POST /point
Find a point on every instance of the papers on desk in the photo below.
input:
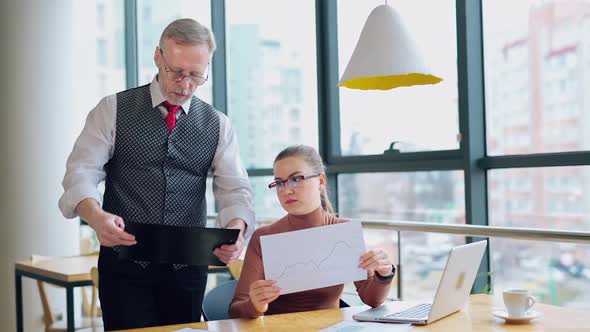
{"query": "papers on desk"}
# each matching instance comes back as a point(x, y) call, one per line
point(188, 329)
point(38, 258)
point(346, 326)
point(314, 257)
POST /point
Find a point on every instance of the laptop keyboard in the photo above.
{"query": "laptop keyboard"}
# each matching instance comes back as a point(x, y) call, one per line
point(417, 312)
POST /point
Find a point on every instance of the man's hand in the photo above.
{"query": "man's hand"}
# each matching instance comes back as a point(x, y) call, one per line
point(109, 228)
point(228, 253)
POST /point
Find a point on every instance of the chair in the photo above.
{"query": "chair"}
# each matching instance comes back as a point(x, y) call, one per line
point(216, 301)
point(235, 268)
point(93, 307)
point(90, 307)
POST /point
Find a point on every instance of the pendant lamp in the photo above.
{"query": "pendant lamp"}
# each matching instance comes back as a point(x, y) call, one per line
point(385, 56)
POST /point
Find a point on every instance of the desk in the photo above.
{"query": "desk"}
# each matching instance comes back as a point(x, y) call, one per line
point(67, 272)
point(476, 316)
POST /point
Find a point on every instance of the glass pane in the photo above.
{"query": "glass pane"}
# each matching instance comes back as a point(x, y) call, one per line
point(556, 273)
point(99, 51)
point(99, 62)
point(88, 241)
point(424, 256)
point(268, 63)
point(152, 18)
point(552, 197)
point(414, 196)
point(422, 118)
point(537, 59)
point(266, 204)
point(210, 198)
point(376, 239)
point(417, 196)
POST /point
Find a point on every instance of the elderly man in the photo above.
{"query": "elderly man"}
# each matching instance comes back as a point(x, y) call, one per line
point(154, 146)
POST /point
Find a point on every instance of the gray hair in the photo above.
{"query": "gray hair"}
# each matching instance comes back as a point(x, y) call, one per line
point(189, 31)
point(312, 158)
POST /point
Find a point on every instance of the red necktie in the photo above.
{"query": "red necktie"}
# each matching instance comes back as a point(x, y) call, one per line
point(171, 116)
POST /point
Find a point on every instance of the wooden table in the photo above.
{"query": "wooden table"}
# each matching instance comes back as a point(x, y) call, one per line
point(67, 272)
point(476, 316)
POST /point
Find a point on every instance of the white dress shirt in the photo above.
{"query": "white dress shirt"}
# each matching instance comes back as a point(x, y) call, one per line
point(96, 144)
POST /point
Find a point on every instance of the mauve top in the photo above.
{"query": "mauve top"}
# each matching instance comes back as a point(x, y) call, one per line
point(371, 291)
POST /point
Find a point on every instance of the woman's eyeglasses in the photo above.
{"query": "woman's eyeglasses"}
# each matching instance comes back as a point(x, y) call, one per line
point(292, 181)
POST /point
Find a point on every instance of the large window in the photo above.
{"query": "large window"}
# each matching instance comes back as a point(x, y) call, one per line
point(99, 62)
point(550, 198)
point(418, 196)
point(529, 97)
point(209, 197)
point(537, 65)
point(376, 239)
point(152, 18)
point(536, 68)
point(266, 204)
point(556, 273)
point(421, 118)
point(99, 52)
point(271, 77)
point(423, 259)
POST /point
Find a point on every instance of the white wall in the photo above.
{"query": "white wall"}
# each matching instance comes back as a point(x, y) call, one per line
point(38, 125)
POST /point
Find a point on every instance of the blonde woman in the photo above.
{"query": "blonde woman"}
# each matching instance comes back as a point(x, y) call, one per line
point(300, 183)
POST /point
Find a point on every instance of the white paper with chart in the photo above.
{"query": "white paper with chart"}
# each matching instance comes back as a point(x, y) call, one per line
point(314, 257)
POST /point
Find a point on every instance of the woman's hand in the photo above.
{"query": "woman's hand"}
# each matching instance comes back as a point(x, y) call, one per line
point(376, 260)
point(263, 292)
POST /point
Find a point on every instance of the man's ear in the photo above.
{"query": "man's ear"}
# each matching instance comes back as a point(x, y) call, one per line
point(157, 56)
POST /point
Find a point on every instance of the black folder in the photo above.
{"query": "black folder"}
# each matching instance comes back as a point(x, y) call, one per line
point(176, 245)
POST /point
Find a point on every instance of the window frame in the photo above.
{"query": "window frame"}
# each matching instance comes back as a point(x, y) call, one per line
point(471, 156)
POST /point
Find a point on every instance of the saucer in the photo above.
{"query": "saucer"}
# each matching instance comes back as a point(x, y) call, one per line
point(530, 315)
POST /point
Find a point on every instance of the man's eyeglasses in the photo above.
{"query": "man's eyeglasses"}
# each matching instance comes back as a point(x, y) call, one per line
point(292, 181)
point(178, 75)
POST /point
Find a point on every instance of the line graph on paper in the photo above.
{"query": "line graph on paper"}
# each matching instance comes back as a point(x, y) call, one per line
point(311, 262)
point(314, 258)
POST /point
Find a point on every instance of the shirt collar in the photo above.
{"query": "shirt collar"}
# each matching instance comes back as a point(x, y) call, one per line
point(158, 98)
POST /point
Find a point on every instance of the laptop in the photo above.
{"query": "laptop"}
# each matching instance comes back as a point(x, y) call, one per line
point(452, 293)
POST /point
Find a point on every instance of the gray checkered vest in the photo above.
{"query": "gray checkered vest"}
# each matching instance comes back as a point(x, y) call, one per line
point(156, 176)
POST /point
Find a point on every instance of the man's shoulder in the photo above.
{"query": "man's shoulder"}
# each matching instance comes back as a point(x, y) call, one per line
point(131, 94)
point(201, 105)
point(140, 88)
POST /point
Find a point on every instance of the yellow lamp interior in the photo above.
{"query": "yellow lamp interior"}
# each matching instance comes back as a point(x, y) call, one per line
point(390, 81)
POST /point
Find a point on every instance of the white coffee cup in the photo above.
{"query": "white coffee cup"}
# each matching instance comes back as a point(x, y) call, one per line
point(517, 302)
